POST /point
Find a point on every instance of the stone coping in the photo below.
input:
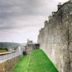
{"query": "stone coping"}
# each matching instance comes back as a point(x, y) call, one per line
point(4, 53)
point(9, 55)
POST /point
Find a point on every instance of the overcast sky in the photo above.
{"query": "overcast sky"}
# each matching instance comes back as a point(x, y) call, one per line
point(22, 19)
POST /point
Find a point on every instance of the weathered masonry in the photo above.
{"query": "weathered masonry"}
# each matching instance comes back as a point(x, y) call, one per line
point(9, 59)
point(56, 37)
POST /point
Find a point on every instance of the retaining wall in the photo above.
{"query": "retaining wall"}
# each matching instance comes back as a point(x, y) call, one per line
point(7, 65)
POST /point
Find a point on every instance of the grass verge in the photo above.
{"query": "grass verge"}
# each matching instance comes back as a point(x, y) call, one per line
point(37, 61)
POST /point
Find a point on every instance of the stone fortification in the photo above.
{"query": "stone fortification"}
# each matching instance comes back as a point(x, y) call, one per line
point(56, 37)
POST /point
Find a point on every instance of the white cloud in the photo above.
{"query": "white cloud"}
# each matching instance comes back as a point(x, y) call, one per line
point(22, 19)
point(61, 0)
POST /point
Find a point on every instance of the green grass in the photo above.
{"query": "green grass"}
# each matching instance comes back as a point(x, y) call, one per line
point(36, 62)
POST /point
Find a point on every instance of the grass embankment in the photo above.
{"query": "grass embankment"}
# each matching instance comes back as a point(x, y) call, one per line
point(36, 62)
point(3, 50)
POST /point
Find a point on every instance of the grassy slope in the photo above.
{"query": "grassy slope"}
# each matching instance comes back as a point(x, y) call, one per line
point(36, 62)
point(1, 51)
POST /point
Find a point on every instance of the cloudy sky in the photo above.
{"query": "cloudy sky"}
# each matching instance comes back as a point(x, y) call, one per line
point(22, 19)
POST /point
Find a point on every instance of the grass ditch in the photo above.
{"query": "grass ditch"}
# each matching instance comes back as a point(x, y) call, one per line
point(37, 61)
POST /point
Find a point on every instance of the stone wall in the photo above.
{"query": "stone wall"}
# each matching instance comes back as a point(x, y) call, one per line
point(7, 66)
point(56, 37)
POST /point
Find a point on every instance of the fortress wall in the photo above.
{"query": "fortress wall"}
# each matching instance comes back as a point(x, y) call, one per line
point(56, 38)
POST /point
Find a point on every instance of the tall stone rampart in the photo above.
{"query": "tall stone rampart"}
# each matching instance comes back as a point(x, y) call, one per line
point(56, 37)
